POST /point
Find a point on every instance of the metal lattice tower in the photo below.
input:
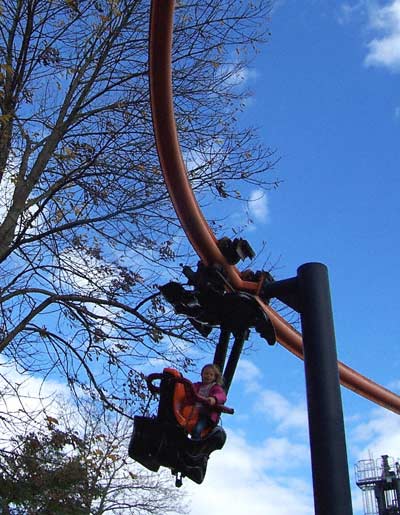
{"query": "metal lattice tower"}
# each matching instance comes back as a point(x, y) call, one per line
point(379, 481)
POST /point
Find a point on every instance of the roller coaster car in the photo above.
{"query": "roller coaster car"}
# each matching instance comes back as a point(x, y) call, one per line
point(164, 440)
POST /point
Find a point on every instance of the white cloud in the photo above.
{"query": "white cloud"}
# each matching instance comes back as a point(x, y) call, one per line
point(269, 477)
point(24, 397)
point(273, 476)
point(285, 414)
point(29, 386)
point(383, 25)
point(384, 50)
point(347, 11)
point(378, 434)
point(249, 374)
point(258, 206)
point(246, 479)
point(237, 74)
point(253, 476)
point(288, 415)
point(7, 187)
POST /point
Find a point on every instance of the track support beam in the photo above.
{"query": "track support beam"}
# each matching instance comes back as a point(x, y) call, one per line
point(310, 294)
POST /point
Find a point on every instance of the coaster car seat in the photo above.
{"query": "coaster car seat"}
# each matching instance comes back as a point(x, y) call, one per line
point(164, 440)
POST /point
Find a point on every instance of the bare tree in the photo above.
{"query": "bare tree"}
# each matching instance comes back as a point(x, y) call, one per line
point(69, 462)
point(86, 228)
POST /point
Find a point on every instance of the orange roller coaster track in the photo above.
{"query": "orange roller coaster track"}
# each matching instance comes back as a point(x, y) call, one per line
point(191, 218)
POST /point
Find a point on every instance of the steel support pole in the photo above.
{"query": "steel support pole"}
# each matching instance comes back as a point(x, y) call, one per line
point(222, 348)
point(233, 359)
point(325, 415)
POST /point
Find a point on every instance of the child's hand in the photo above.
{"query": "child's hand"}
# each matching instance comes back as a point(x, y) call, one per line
point(211, 401)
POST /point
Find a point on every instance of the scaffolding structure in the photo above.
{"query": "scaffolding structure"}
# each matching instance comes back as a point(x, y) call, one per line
point(379, 481)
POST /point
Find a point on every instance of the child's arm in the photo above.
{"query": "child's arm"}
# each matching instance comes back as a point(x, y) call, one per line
point(218, 394)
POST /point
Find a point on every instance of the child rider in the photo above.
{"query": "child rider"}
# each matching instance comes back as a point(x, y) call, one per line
point(211, 388)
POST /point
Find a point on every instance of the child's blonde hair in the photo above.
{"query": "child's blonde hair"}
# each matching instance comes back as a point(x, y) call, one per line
point(217, 372)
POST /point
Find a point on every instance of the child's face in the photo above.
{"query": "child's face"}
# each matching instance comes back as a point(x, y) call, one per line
point(208, 375)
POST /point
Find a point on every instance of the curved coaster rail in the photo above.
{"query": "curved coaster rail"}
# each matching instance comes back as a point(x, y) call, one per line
point(191, 218)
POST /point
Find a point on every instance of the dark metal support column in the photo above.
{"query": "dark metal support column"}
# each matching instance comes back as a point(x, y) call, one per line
point(234, 358)
point(221, 349)
point(327, 437)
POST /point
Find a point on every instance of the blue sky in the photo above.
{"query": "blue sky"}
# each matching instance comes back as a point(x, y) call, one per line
point(327, 97)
